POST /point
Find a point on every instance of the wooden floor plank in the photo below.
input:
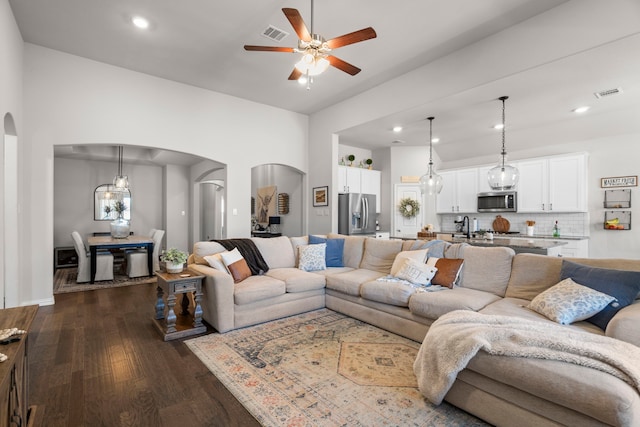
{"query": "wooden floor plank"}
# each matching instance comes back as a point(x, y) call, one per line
point(97, 360)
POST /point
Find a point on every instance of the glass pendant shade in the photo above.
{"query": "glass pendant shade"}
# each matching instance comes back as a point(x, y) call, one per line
point(503, 176)
point(120, 182)
point(431, 183)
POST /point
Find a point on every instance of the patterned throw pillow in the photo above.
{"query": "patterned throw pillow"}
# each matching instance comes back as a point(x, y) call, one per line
point(311, 257)
point(569, 302)
point(419, 256)
point(448, 270)
point(236, 265)
point(416, 272)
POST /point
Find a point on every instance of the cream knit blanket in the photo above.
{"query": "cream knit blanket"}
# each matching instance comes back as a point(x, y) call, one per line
point(455, 338)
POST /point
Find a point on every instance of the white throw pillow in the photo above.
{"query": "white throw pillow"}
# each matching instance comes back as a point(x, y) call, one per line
point(569, 302)
point(419, 256)
point(312, 257)
point(215, 261)
point(416, 272)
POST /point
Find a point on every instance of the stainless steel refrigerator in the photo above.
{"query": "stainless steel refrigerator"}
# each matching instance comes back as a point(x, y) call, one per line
point(356, 213)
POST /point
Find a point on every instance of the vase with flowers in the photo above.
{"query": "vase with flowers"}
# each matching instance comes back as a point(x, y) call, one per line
point(120, 226)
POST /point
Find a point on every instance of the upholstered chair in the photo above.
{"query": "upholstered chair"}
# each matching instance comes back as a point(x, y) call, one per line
point(137, 260)
point(104, 262)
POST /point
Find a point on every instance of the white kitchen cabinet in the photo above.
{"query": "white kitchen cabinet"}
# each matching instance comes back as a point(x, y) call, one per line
point(554, 184)
point(575, 248)
point(483, 179)
point(459, 191)
point(383, 235)
point(359, 180)
point(349, 180)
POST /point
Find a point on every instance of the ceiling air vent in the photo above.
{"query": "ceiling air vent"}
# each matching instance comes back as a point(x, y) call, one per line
point(274, 33)
point(608, 92)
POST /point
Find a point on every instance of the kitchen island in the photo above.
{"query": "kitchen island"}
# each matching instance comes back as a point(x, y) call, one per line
point(520, 245)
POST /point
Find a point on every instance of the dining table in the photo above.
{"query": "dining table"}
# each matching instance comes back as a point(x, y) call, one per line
point(109, 242)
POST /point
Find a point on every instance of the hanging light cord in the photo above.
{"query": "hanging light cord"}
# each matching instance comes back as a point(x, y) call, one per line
point(504, 150)
point(430, 146)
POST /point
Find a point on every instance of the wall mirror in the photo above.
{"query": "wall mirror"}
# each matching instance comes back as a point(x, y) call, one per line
point(108, 201)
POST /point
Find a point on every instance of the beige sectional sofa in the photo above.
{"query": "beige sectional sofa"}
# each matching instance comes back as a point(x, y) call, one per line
point(501, 390)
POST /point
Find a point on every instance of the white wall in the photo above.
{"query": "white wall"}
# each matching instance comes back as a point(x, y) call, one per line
point(74, 184)
point(176, 207)
point(71, 100)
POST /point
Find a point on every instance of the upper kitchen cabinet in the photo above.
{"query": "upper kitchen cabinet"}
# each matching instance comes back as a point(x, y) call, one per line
point(359, 180)
point(554, 184)
point(459, 191)
point(483, 179)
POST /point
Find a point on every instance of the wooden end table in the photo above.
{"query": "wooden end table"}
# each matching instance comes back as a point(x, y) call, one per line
point(178, 283)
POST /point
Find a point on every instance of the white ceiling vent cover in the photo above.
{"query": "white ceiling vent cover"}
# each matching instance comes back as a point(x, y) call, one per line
point(608, 92)
point(274, 33)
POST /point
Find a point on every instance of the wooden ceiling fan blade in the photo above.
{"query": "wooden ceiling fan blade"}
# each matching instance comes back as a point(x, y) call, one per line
point(296, 21)
point(351, 38)
point(295, 74)
point(342, 65)
point(268, 48)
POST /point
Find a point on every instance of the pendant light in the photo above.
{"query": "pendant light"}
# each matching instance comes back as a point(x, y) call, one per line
point(121, 182)
point(503, 176)
point(431, 182)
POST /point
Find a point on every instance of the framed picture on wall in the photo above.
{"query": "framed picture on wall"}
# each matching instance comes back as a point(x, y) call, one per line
point(321, 196)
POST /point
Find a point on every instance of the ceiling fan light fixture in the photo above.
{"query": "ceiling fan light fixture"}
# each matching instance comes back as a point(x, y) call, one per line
point(312, 65)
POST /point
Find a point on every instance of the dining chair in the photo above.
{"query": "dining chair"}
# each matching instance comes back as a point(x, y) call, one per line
point(137, 260)
point(104, 262)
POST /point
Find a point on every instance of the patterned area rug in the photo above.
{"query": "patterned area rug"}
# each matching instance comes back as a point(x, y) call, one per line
point(323, 369)
point(65, 281)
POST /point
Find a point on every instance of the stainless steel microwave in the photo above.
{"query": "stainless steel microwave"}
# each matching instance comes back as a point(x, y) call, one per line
point(499, 201)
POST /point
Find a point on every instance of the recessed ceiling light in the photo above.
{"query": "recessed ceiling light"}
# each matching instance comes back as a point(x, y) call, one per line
point(498, 126)
point(397, 129)
point(582, 109)
point(140, 22)
point(435, 140)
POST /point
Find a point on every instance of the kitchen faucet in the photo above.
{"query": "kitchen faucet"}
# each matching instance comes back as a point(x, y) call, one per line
point(466, 220)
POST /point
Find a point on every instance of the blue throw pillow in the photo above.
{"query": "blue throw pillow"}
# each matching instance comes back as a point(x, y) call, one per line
point(621, 284)
point(436, 247)
point(335, 250)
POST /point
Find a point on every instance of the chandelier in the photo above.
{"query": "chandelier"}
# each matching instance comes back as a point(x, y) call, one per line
point(431, 182)
point(503, 176)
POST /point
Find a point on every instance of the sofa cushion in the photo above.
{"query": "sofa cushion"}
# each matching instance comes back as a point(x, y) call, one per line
point(622, 285)
point(295, 243)
point(487, 269)
point(257, 288)
point(380, 254)
point(201, 249)
point(434, 304)
point(276, 251)
point(448, 271)
point(532, 274)
point(311, 257)
point(353, 249)
point(419, 256)
point(350, 282)
point(334, 270)
point(335, 250)
point(569, 302)
point(297, 280)
point(215, 261)
point(396, 293)
point(624, 325)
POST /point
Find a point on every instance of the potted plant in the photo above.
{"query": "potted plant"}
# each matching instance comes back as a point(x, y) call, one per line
point(174, 260)
point(369, 162)
point(351, 158)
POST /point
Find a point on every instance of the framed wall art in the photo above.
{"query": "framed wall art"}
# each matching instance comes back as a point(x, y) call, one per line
point(321, 196)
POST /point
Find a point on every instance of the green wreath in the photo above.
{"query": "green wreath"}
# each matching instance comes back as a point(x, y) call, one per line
point(408, 207)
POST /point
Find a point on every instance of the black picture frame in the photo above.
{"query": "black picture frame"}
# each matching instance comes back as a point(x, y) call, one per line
point(321, 196)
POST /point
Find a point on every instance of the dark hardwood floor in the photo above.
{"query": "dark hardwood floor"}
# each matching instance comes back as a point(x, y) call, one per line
point(96, 359)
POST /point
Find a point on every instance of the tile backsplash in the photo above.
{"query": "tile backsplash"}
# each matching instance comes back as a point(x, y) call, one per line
point(570, 224)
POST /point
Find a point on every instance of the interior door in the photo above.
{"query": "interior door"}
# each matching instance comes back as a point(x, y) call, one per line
point(403, 226)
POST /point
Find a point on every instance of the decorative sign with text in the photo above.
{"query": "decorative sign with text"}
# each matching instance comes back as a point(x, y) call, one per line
point(619, 181)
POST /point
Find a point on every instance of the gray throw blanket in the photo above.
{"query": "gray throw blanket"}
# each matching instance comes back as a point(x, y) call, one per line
point(455, 338)
point(249, 252)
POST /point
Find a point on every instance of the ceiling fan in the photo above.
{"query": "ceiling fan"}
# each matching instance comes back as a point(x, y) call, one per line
point(315, 50)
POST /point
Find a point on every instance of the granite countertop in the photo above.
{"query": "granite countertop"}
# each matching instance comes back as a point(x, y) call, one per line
point(531, 243)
